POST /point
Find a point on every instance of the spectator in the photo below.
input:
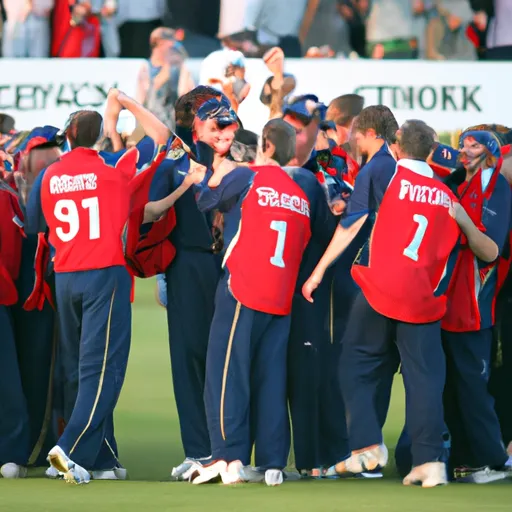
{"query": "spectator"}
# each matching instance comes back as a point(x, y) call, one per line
point(390, 30)
point(136, 20)
point(495, 17)
point(355, 13)
point(322, 25)
point(27, 29)
point(277, 23)
point(164, 78)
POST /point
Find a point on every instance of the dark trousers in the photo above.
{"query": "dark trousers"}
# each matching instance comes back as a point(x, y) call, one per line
point(245, 392)
point(367, 355)
point(14, 422)
point(94, 313)
point(500, 382)
point(35, 333)
point(191, 285)
point(499, 53)
point(469, 407)
point(134, 36)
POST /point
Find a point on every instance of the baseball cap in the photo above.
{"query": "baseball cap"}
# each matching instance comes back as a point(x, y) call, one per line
point(218, 109)
point(305, 108)
point(487, 139)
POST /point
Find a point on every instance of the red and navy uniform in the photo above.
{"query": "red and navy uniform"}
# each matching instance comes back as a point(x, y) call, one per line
point(191, 279)
point(245, 393)
point(415, 231)
point(467, 326)
point(14, 426)
point(86, 204)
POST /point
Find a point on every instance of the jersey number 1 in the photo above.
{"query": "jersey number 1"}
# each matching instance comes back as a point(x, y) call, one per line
point(66, 211)
point(279, 226)
point(412, 250)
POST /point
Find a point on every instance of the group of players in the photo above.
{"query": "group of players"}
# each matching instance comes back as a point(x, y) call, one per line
point(299, 273)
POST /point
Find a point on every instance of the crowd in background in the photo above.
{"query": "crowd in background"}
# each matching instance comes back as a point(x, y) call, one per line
point(432, 29)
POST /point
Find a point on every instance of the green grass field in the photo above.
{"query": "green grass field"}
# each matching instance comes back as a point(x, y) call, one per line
point(149, 442)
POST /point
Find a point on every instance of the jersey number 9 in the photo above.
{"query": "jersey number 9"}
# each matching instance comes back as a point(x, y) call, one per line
point(66, 211)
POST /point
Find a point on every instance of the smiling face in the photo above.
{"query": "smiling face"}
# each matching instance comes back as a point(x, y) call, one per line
point(220, 138)
point(472, 154)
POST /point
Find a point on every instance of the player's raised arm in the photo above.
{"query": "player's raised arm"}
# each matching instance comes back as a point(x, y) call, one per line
point(151, 125)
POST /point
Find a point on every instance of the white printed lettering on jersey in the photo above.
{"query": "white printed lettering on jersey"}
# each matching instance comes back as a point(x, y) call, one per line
point(65, 183)
point(267, 196)
point(424, 194)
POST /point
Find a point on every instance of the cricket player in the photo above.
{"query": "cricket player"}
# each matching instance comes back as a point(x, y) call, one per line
point(247, 352)
point(467, 327)
point(415, 254)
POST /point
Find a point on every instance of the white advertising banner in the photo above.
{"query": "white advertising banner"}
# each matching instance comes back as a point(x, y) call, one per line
point(447, 95)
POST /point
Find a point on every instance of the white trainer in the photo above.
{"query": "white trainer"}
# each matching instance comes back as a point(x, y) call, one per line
point(110, 474)
point(12, 470)
point(232, 474)
point(73, 473)
point(273, 477)
point(365, 460)
point(428, 475)
point(252, 475)
point(183, 471)
point(484, 475)
point(210, 473)
point(52, 473)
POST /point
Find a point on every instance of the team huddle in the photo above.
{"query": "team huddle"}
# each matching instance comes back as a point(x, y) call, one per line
point(300, 271)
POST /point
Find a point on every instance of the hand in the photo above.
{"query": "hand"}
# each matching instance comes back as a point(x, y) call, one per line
point(460, 215)
point(107, 11)
point(274, 60)
point(112, 111)
point(418, 7)
point(480, 20)
point(338, 206)
point(195, 174)
point(311, 285)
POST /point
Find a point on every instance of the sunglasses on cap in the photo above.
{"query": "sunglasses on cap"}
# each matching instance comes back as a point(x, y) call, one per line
point(219, 110)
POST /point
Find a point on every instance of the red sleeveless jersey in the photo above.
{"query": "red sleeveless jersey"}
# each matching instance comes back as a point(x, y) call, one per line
point(87, 203)
point(265, 255)
point(409, 250)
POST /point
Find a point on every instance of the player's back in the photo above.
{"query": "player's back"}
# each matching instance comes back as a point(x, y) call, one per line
point(265, 255)
point(86, 205)
point(410, 248)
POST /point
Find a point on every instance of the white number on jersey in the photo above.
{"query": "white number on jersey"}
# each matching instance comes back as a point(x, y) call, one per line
point(66, 211)
point(412, 250)
point(280, 227)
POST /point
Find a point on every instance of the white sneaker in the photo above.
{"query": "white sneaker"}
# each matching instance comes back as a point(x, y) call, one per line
point(364, 461)
point(273, 477)
point(430, 474)
point(232, 474)
point(252, 475)
point(483, 475)
point(73, 473)
point(111, 474)
point(12, 470)
point(52, 473)
point(210, 473)
point(182, 472)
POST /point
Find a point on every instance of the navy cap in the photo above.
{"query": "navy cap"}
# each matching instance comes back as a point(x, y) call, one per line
point(487, 139)
point(305, 108)
point(220, 110)
point(445, 156)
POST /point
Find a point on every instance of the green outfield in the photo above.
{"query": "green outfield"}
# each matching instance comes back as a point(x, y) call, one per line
point(148, 437)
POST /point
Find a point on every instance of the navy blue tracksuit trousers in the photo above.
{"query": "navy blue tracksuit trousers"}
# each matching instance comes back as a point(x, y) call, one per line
point(245, 392)
point(94, 313)
point(192, 280)
point(367, 354)
point(14, 424)
point(469, 407)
